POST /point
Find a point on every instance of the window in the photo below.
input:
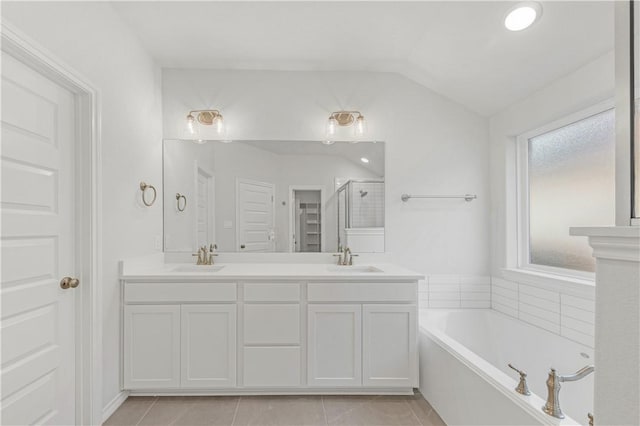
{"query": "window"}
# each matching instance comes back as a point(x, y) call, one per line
point(566, 173)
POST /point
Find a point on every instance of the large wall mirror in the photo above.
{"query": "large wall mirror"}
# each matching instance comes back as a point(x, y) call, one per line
point(273, 196)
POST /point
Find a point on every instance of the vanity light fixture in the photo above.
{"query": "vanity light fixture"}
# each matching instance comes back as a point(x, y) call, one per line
point(522, 15)
point(205, 117)
point(339, 119)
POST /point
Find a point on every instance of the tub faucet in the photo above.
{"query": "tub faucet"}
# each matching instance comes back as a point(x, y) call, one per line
point(522, 387)
point(552, 407)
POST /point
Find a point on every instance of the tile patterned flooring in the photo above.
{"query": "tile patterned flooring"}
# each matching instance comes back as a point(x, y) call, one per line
point(276, 410)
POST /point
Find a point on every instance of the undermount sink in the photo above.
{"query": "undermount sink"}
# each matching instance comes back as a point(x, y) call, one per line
point(359, 269)
point(198, 268)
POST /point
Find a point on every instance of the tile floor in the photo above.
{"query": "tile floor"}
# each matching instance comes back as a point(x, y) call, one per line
point(276, 410)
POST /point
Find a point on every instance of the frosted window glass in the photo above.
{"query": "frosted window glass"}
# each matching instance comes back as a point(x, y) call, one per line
point(571, 183)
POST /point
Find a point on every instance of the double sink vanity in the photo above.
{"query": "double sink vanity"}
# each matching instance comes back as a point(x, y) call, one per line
point(274, 328)
point(276, 313)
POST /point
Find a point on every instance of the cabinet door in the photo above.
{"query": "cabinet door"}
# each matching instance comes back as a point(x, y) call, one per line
point(335, 345)
point(390, 355)
point(151, 347)
point(208, 346)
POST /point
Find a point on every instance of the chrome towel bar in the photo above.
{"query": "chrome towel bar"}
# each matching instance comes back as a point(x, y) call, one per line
point(466, 197)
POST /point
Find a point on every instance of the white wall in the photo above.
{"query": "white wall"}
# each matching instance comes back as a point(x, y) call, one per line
point(92, 39)
point(434, 146)
point(587, 86)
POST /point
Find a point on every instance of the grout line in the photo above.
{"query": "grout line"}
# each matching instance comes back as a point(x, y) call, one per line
point(148, 409)
point(324, 411)
point(415, 416)
point(235, 413)
point(359, 405)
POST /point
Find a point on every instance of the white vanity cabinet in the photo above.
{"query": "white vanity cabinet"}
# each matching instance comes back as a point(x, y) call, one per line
point(389, 345)
point(179, 335)
point(231, 335)
point(370, 344)
point(151, 346)
point(208, 346)
point(335, 345)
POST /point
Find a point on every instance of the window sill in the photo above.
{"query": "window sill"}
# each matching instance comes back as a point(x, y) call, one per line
point(580, 287)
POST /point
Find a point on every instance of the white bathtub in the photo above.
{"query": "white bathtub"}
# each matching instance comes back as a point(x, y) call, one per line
point(464, 374)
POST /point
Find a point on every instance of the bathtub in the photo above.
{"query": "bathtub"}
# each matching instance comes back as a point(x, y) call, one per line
point(464, 373)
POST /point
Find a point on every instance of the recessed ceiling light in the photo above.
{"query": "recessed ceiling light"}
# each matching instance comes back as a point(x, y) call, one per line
point(364, 160)
point(522, 16)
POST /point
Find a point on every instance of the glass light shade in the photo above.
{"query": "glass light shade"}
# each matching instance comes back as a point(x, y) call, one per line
point(332, 127)
point(219, 126)
point(359, 128)
point(192, 126)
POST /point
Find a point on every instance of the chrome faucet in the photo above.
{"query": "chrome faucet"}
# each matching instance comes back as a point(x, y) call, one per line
point(552, 407)
point(522, 387)
point(346, 257)
point(205, 255)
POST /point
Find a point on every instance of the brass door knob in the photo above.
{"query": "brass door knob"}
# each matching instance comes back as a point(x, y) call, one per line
point(68, 282)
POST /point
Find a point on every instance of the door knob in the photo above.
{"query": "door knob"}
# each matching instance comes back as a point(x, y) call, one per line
point(68, 282)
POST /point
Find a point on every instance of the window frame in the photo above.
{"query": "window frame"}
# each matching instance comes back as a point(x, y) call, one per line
point(522, 192)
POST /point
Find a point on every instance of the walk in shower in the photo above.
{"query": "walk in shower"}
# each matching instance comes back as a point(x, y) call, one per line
point(361, 215)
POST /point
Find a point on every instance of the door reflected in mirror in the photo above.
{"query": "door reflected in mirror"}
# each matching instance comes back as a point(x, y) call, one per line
point(274, 196)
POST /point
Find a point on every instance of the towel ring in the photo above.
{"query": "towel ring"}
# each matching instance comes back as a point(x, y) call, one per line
point(184, 205)
point(143, 188)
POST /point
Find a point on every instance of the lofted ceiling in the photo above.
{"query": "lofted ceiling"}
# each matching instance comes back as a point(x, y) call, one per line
point(458, 49)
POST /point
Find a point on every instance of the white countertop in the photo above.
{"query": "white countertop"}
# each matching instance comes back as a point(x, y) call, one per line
point(136, 270)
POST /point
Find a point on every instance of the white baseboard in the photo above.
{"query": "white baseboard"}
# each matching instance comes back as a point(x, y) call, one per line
point(113, 405)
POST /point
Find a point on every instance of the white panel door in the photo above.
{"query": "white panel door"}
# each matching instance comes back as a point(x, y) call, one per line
point(389, 353)
point(152, 346)
point(205, 221)
point(208, 342)
point(335, 345)
point(37, 208)
point(254, 206)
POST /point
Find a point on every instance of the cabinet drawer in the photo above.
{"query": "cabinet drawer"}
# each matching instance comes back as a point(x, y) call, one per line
point(272, 366)
point(362, 292)
point(272, 324)
point(179, 292)
point(272, 292)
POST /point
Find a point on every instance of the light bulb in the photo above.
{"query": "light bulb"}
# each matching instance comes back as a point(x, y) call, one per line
point(359, 127)
point(522, 16)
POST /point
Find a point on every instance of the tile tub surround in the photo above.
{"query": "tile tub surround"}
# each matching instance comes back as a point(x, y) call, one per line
point(282, 410)
point(567, 315)
point(564, 314)
point(455, 291)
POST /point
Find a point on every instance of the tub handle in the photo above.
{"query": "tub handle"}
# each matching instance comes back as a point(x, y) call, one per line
point(522, 387)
